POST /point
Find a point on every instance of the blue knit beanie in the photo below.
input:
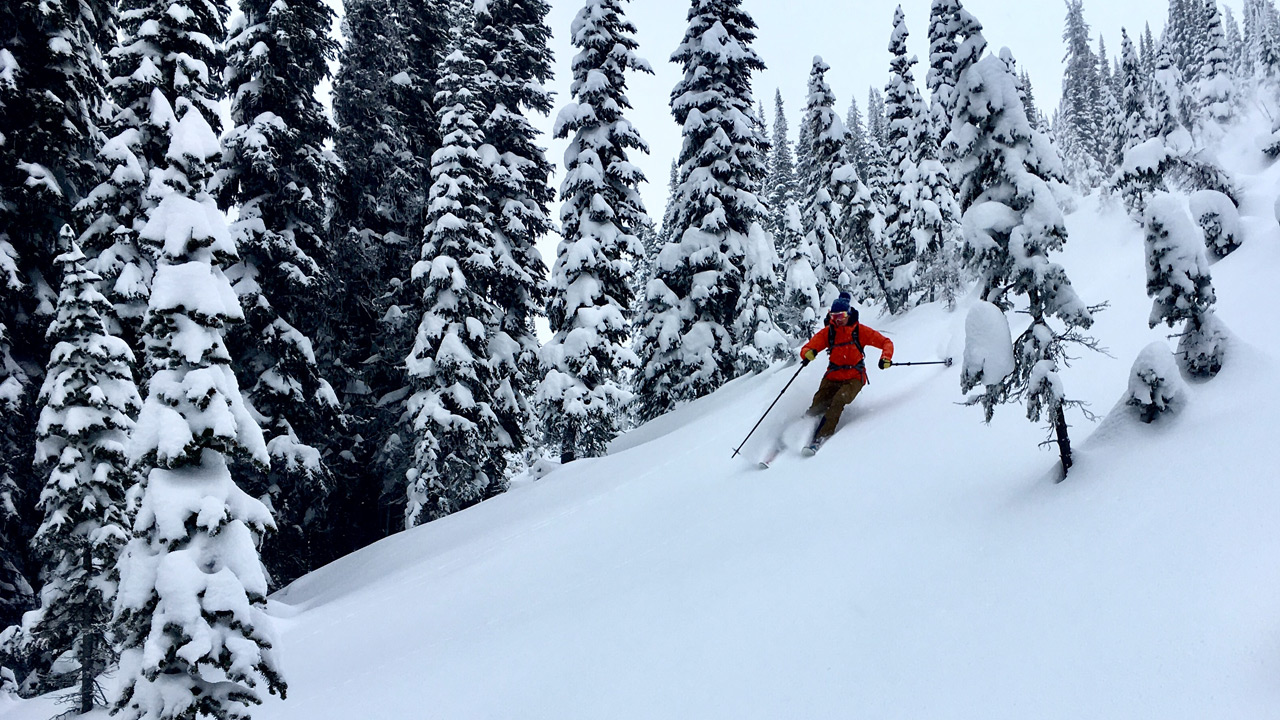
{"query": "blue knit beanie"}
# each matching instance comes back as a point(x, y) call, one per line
point(841, 304)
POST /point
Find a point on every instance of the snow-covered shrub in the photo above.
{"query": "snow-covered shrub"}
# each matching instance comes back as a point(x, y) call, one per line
point(988, 350)
point(1179, 284)
point(1155, 385)
point(1220, 221)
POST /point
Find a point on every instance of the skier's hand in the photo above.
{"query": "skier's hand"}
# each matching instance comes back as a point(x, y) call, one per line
point(885, 363)
point(808, 355)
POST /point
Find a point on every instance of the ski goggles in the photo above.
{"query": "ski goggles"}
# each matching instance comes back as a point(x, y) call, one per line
point(839, 318)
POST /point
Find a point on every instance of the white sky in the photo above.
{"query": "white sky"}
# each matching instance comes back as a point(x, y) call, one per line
point(852, 36)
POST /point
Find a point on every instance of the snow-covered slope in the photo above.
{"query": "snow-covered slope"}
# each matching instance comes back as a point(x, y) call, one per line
point(923, 565)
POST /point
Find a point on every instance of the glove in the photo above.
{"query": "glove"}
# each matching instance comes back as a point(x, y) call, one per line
point(885, 363)
point(808, 355)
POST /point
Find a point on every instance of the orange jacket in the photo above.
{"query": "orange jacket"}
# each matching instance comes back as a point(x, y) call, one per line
point(847, 360)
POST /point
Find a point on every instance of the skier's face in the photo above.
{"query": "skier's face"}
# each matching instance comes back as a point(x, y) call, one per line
point(839, 318)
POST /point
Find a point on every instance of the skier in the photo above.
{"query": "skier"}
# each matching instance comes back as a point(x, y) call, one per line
point(844, 338)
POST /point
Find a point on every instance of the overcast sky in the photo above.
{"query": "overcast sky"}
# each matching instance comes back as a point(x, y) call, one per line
point(852, 36)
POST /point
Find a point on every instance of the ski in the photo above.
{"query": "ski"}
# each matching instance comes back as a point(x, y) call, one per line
point(772, 455)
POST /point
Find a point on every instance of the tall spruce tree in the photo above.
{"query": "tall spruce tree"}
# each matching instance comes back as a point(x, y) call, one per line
point(946, 20)
point(921, 218)
point(685, 342)
point(799, 292)
point(583, 393)
point(1012, 223)
point(857, 137)
point(877, 126)
point(369, 306)
point(821, 213)
point(902, 141)
point(459, 452)
point(1214, 89)
point(52, 86)
point(88, 403)
point(1081, 112)
point(512, 46)
point(276, 170)
point(191, 611)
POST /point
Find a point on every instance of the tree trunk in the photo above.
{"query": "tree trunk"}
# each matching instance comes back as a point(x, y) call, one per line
point(568, 445)
point(1064, 442)
point(88, 643)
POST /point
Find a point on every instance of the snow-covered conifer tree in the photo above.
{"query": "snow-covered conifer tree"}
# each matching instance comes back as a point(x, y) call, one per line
point(512, 45)
point(1179, 285)
point(1012, 223)
point(1213, 92)
point(1170, 157)
point(820, 214)
point(857, 137)
point(921, 218)
point(877, 125)
point(582, 394)
point(686, 342)
point(903, 137)
point(275, 168)
point(947, 19)
point(1080, 111)
point(52, 85)
point(799, 293)
point(1219, 218)
point(1155, 386)
point(88, 403)
point(460, 446)
point(370, 306)
point(192, 570)
point(191, 620)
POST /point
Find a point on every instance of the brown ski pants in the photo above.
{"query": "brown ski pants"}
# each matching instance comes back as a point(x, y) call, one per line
point(830, 400)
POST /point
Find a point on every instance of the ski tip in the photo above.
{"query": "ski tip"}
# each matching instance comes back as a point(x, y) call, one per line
point(762, 465)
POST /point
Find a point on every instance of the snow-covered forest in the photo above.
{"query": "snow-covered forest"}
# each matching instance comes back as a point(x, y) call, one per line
point(233, 353)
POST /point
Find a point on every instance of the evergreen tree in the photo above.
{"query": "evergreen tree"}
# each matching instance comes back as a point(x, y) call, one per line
point(947, 19)
point(52, 86)
point(582, 392)
point(512, 45)
point(1234, 41)
point(1012, 222)
point(1111, 120)
point(783, 192)
point(903, 138)
point(921, 217)
point(1135, 111)
point(1027, 94)
point(877, 125)
point(798, 291)
point(191, 611)
point(857, 137)
point(277, 172)
point(369, 306)
point(88, 403)
point(1178, 283)
point(1214, 82)
point(820, 215)
point(1148, 51)
point(424, 36)
point(686, 341)
point(1080, 112)
point(1169, 157)
point(459, 443)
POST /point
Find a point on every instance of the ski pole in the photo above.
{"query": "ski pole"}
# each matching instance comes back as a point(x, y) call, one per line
point(766, 412)
point(946, 362)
